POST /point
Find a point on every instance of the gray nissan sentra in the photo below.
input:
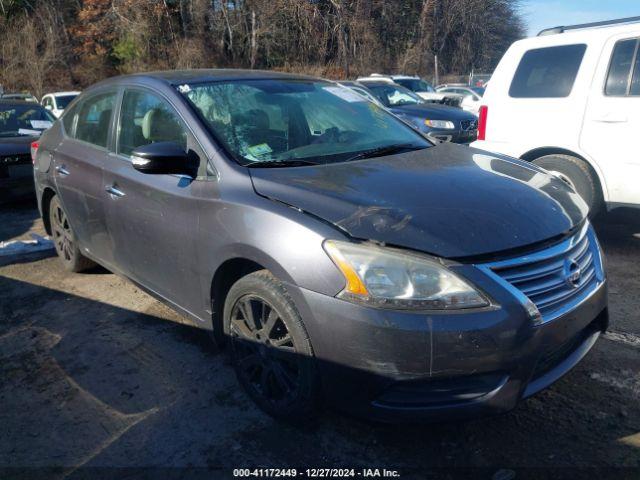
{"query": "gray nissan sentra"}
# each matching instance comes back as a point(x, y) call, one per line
point(343, 257)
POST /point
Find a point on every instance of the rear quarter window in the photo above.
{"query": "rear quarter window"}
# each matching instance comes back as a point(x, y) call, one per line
point(547, 72)
point(622, 77)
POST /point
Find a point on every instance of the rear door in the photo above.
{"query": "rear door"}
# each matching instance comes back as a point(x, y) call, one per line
point(153, 219)
point(78, 162)
point(612, 119)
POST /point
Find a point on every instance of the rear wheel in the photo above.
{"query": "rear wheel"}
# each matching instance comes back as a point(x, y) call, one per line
point(65, 240)
point(270, 349)
point(578, 175)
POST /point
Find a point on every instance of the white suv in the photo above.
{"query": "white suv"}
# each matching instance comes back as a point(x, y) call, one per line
point(58, 101)
point(569, 101)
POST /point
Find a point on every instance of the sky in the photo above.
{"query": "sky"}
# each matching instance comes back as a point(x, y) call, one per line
point(540, 14)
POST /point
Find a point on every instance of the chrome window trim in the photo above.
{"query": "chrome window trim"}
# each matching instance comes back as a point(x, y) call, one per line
point(546, 254)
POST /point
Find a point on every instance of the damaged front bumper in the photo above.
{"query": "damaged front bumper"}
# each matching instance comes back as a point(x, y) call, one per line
point(407, 366)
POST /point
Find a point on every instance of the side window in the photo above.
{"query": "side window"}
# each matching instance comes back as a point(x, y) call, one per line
point(147, 118)
point(94, 118)
point(620, 68)
point(47, 102)
point(547, 72)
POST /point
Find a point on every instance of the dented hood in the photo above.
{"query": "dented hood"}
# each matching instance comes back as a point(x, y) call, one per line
point(448, 200)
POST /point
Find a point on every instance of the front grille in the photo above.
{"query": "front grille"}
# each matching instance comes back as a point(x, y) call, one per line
point(558, 278)
point(468, 125)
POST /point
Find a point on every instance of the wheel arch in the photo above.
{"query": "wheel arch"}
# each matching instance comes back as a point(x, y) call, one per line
point(47, 194)
point(531, 155)
point(228, 273)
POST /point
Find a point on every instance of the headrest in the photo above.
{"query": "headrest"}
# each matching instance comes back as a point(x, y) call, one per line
point(104, 118)
point(158, 124)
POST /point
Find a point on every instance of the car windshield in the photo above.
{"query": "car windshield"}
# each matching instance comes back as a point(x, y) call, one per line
point(19, 120)
point(395, 95)
point(63, 100)
point(296, 122)
point(415, 85)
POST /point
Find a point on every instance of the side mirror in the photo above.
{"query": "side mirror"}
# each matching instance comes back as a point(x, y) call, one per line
point(48, 107)
point(162, 158)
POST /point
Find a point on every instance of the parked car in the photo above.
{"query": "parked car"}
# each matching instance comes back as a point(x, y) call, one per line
point(445, 123)
point(417, 85)
point(361, 90)
point(20, 124)
point(340, 254)
point(24, 97)
point(471, 96)
point(58, 101)
point(575, 92)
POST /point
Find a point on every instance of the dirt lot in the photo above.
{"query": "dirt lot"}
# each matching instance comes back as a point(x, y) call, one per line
point(93, 375)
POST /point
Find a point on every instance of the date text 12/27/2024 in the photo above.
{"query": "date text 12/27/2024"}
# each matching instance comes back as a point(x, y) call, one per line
point(316, 473)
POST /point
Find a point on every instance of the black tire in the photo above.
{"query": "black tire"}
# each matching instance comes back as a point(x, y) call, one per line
point(578, 175)
point(65, 240)
point(270, 348)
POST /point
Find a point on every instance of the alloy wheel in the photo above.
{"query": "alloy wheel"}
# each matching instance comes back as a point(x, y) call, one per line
point(264, 350)
point(62, 235)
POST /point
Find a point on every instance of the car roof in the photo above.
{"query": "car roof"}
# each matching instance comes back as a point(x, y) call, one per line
point(59, 94)
point(178, 77)
point(351, 83)
point(380, 83)
point(597, 34)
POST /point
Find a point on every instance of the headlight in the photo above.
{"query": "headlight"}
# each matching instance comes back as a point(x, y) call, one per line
point(386, 278)
point(444, 124)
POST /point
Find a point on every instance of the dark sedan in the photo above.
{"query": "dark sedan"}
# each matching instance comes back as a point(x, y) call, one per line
point(21, 123)
point(446, 123)
point(338, 253)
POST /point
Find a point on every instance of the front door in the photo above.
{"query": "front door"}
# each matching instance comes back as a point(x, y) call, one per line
point(153, 218)
point(77, 163)
point(612, 120)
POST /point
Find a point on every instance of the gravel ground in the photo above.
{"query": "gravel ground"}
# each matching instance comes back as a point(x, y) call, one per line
point(93, 376)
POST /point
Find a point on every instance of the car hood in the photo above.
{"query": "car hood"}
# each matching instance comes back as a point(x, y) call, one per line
point(448, 200)
point(433, 112)
point(16, 145)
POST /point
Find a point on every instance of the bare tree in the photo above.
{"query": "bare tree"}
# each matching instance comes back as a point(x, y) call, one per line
point(78, 42)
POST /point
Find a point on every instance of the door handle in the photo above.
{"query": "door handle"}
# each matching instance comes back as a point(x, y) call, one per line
point(62, 171)
point(612, 118)
point(112, 190)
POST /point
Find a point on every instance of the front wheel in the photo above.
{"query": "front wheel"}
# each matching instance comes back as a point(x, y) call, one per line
point(270, 349)
point(65, 240)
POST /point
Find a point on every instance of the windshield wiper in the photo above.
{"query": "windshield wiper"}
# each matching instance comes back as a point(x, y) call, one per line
point(385, 150)
point(280, 163)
